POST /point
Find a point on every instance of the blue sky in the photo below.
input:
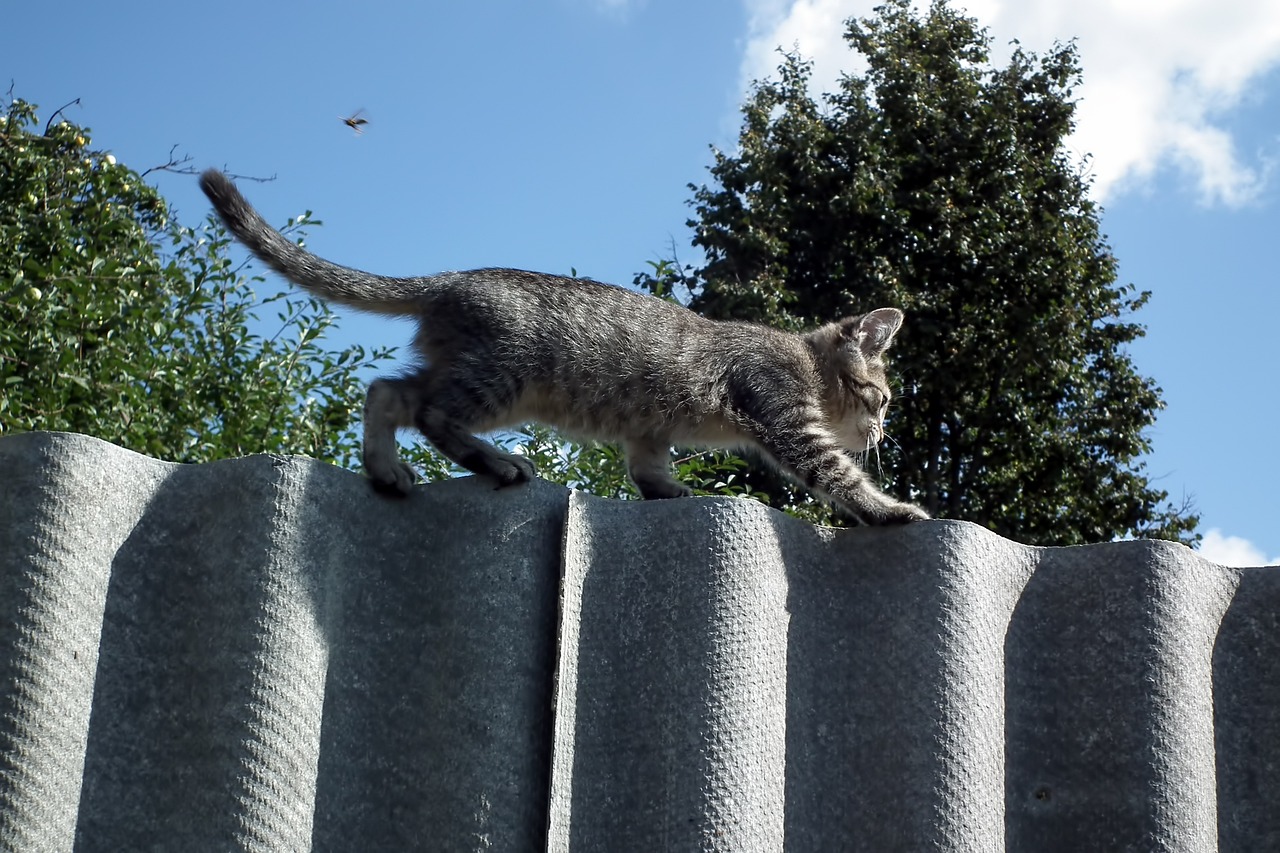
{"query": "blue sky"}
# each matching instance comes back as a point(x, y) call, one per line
point(558, 134)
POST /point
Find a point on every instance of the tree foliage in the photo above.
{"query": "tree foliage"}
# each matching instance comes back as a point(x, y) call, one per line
point(118, 322)
point(940, 184)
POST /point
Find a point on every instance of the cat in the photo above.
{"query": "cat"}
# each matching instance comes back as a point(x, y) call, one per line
point(504, 347)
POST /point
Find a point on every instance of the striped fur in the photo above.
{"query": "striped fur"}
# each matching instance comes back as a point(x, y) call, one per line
point(502, 347)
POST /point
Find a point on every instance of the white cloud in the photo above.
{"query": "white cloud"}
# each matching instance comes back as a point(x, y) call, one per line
point(815, 27)
point(1233, 551)
point(1160, 76)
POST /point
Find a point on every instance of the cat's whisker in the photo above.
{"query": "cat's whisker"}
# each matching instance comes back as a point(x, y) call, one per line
point(875, 446)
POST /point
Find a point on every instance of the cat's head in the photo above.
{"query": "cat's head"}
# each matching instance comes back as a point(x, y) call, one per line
point(850, 352)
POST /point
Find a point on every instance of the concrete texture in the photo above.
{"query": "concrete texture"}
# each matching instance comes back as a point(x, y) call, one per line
point(262, 654)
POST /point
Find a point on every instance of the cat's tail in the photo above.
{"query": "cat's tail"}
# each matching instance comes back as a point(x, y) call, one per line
point(329, 281)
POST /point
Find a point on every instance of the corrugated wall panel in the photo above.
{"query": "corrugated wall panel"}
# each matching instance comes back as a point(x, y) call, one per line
point(777, 684)
point(262, 654)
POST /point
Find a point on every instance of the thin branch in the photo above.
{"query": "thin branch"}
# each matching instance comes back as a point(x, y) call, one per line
point(48, 124)
point(174, 165)
point(180, 166)
point(681, 275)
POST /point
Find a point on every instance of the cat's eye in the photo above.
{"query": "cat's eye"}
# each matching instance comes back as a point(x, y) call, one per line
point(875, 399)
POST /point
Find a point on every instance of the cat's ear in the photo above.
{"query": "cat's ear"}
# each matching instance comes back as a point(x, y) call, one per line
point(873, 332)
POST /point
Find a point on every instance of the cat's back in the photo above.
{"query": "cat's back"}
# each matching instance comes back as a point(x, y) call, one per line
point(590, 298)
point(601, 361)
point(533, 306)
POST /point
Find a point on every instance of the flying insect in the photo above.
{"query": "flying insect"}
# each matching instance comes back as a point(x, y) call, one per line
point(354, 121)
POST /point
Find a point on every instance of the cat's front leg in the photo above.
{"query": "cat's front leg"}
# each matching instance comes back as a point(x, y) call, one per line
point(816, 459)
point(838, 477)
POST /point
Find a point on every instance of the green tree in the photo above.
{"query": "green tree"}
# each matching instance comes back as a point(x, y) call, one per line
point(940, 184)
point(118, 322)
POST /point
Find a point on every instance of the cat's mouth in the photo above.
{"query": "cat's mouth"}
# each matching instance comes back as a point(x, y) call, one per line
point(864, 440)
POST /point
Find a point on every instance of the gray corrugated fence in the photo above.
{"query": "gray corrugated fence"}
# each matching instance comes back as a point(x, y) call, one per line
point(263, 654)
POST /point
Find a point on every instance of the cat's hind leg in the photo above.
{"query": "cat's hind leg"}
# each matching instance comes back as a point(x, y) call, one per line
point(388, 407)
point(447, 418)
point(649, 466)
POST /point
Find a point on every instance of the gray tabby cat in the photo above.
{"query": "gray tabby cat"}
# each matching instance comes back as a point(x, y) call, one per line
point(505, 347)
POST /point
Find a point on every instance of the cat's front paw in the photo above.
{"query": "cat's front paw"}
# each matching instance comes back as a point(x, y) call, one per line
point(396, 479)
point(891, 512)
point(902, 513)
point(674, 490)
point(660, 488)
point(511, 470)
